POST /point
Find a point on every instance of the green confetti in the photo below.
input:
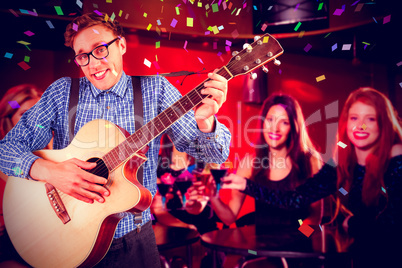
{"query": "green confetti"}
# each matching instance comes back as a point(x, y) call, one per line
point(17, 171)
point(26, 58)
point(58, 10)
point(252, 252)
point(320, 6)
point(158, 44)
point(40, 126)
point(366, 43)
point(215, 7)
point(327, 35)
point(233, 10)
point(297, 26)
point(382, 188)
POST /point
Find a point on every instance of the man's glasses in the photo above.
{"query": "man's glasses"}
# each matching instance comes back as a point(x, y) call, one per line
point(99, 52)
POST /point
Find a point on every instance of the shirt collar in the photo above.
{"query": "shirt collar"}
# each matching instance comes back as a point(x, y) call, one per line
point(119, 88)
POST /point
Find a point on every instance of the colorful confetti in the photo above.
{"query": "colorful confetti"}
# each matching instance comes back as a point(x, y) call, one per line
point(320, 78)
point(50, 24)
point(58, 10)
point(24, 65)
point(307, 47)
point(190, 22)
point(343, 191)
point(297, 26)
point(346, 47)
point(338, 12)
point(341, 144)
point(173, 23)
point(306, 230)
point(14, 104)
point(29, 33)
point(147, 63)
point(252, 252)
point(8, 55)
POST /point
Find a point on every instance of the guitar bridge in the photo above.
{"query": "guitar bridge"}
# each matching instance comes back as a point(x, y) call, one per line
point(57, 203)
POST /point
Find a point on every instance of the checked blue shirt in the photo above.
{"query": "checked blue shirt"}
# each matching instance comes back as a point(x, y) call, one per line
point(34, 130)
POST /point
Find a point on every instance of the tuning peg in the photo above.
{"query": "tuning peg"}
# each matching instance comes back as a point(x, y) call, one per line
point(234, 53)
point(253, 76)
point(257, 37)
point(265, 69)
point(277, 62)
point(248, 47)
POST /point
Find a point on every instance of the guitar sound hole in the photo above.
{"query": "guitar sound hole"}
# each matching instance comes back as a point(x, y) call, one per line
point(100, 169)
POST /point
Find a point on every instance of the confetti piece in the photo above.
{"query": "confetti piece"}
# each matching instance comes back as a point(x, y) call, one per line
point(300, 222)
point(108, 126)
point(177, 10)
point(149, 26)
point(26, 58)
point(173, 23)
point(108, 1)
point(306, 230)
point(23, 11)
point(238, 12)
point(375, 20)
point(120, 13)
point(185, 45)
point(97, 12)
point(23, 65)
point(341, 144)
point(156, 65)
point(264, 27)
point(399, 63)
point(320, 6)
point(95, 31)
point(338, 12)
point(220, 28)
point(13, 12)
point(265, 40)
point(14, 104)
point(29, 33)
point(301, 34)
point(23, 43)
point(327, 35)
point(355, 3)
point(114, 72)
point(17, 171)
point(228, 43)
point(75, 27)
point(386, 19)
point(200, 60)
point(346, 47)
point(58, 10)
point(8, 55)
point(157, 44)
point(252, 252)
point(158, 22)
point(297, 26)
point(307, 47)
point(359, 7)
point(364, 126)
point(39, 126)
point(235, 34)
point(113, 16)
point(145, 15)
point(400, 84)
point(297, 6)
point(79, 3)
point(199, 4)
point(190, 22)
point(319, 225)
point(383, 189)
point(49, 23)
point(343, 191)
point(335, 46)
point(320, 78)
point(215, 8)
point(147, 63)
point(126, 16)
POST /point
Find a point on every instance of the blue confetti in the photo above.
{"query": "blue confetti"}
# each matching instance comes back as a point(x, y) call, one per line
point(343, 191)
point(8, 55)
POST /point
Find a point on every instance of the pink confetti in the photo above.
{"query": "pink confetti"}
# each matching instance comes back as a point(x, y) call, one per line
point(386, 19)
point(75, 27)
point(228, 43)
point(235, 34)
point(174, 22)
point(97, 12)
point(29, 33)
point(264, 26)
point(200, 60)
point(185, 45)
point(338, 12)
point(155, 63)
point(307, 47)
point(14, 104)
point(24, 65)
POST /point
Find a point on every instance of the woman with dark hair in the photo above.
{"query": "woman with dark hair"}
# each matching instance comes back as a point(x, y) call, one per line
point(284, 157)
point(368, 176)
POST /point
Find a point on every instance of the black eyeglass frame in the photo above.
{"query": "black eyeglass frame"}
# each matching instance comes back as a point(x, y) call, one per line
point(91, 53)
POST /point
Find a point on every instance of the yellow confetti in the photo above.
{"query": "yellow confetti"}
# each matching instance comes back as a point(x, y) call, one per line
point(364, 126)
point(114, 72)
point(199, 4)
point(265, 40)
point(320, 78)
point(300, 221)
point(106, 17)
point(120, 13)
point(190, 22)
point(108, 126)
point(145, 15)
point(149, 26)
point(23, 42)
point(177, 11)
point(301, 34)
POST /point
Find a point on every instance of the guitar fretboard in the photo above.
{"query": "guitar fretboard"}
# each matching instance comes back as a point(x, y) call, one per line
point(157, 125)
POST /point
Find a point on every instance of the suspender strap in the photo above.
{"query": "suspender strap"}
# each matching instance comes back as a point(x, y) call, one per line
point(138, 116)
point(72, 108)
point(139, 122)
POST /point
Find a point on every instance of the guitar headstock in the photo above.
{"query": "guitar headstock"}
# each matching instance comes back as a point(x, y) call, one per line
point(261, 51)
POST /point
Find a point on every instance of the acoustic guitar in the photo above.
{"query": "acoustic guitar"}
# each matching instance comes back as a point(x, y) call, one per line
point(49, 228)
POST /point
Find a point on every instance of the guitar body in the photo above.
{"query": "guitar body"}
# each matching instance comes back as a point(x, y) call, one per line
point(40, 236)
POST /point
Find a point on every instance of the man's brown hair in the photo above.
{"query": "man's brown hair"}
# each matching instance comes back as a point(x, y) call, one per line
point(89, 20)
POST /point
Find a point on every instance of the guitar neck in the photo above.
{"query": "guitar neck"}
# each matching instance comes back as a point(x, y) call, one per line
point(157, 125)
